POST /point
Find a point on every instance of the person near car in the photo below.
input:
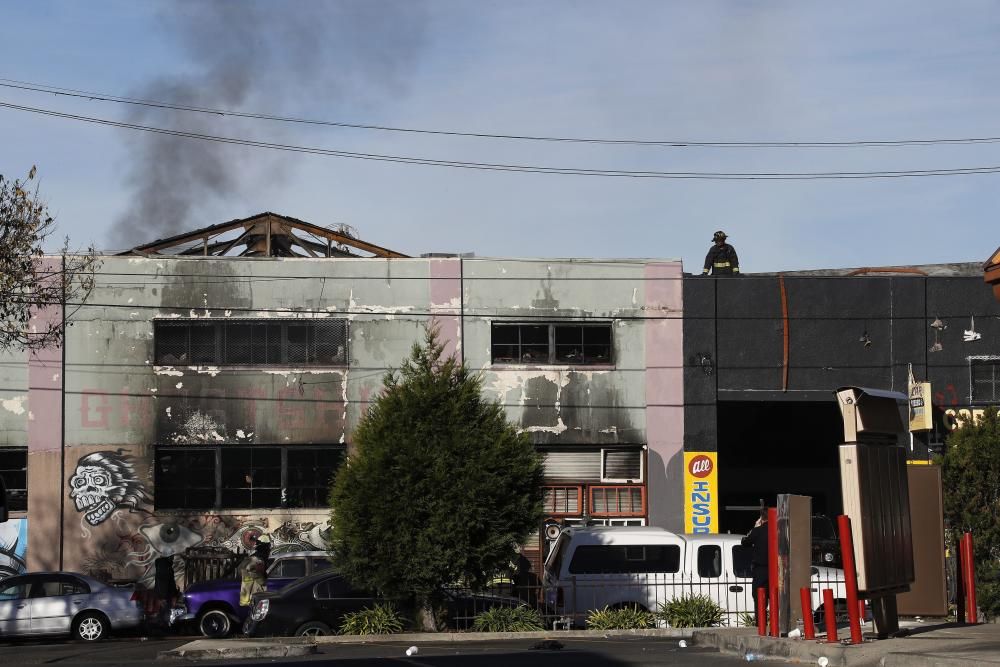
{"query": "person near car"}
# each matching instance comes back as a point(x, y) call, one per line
point(757, 541)
point(721, 259)
point(164, 587)
point(253, 571)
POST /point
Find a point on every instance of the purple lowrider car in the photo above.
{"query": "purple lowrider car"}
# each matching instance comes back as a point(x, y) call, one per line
point(215, 605)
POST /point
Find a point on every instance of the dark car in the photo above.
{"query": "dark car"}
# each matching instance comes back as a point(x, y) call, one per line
point(825, 543)
point(313, 606)
point(214, 605)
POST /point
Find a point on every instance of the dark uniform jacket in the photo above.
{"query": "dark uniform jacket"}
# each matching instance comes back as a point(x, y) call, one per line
point(721, 260)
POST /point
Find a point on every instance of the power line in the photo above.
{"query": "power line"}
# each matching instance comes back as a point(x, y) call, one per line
point(520, 168)
point(670, 143)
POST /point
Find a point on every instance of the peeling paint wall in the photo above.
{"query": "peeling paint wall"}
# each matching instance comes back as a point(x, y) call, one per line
point(14, 408)
point(120, 405)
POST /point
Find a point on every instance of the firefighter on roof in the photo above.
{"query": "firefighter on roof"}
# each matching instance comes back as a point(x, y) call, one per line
point(721, 259)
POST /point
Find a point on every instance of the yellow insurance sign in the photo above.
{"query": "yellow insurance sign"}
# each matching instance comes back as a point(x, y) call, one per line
point(701, 492)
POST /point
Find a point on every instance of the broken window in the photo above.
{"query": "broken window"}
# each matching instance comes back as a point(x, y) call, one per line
point(568, 343)
point(985, 376)
point(252, 343)
point(14, 471)
point(234, 477)
point(562, 500)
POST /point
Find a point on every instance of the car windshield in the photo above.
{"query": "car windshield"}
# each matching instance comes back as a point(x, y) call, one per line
point(822, 528)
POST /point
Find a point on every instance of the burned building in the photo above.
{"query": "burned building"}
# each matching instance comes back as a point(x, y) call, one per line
point(207, 390)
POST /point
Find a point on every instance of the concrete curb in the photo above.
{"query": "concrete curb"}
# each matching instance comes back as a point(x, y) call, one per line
point(445, 637)
point(741, 643)
point(929, 660)
point(284, 647)
point(210, 650)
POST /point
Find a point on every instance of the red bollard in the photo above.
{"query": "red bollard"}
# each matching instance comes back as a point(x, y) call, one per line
point(850, 576)
point(762, 611)
point(969, 578)
point(861, 609)
point(830, 614)
point(772, 567)
point(807, 618)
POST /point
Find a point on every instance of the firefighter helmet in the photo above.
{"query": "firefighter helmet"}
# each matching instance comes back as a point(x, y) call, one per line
point(719, 236)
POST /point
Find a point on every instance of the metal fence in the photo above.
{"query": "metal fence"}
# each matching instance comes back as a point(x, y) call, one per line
point(569, 603)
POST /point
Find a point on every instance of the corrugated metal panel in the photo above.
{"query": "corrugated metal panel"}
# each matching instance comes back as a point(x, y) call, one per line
point(576, 466)
point(623, 464)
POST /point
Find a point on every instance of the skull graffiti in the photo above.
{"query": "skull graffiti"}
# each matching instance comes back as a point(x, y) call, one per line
point(103, 482)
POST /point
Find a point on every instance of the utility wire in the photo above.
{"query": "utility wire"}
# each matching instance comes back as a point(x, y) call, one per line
point(671, 143)
point(531, 169)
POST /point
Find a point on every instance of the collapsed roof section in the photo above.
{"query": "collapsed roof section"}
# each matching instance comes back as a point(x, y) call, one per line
point(264, 235)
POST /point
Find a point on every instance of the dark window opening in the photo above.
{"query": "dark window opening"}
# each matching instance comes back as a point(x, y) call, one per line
point(742, 561)
point(233, 477)
point(985, 376)
point(631, 559)
point(241, 342)
point(14, 471)
point(710, 561)
point(552, 343)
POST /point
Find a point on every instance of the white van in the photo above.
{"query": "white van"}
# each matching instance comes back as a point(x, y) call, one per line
point(596, 567)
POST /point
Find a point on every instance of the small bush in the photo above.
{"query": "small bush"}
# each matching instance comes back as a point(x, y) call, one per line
point(694, 611)
point(508, 619)
point(620, 618)
point(747, 619)
point(382, 619)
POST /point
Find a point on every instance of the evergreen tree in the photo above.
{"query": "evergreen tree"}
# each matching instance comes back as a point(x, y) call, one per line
point(439, 487)
point(971, 478)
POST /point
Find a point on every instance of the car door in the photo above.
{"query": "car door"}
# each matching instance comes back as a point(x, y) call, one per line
point(739, 566)
point(15, 607)
point(55, 600)
point(285, 571)
point(335, 597)
point(708, 574)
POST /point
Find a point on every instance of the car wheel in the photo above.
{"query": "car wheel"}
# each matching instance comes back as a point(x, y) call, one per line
point(91, 627)
point(215, 624)
point(313, 629)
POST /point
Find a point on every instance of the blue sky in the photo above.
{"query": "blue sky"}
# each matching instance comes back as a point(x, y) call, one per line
point(725, 71)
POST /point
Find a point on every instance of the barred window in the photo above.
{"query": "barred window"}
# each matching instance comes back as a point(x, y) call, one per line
point(251, 342)
point(14, 471)
point(562, 500)
point(235, 477)
point(617, 500)
point(985, 376)
point(565, 343)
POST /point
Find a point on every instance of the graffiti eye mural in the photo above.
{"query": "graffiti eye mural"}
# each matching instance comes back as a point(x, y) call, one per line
point(170, 538)
point(104, 482)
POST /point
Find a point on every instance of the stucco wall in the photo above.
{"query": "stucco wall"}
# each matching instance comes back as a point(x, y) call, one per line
point(119, 404)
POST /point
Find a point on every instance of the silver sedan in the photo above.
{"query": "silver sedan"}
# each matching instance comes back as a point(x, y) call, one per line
point(63, 603)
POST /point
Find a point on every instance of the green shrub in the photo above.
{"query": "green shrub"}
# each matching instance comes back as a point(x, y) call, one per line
point(508, 619)
point(382, 619)
point(691, 611)
point(619, 618)
point(747, 619)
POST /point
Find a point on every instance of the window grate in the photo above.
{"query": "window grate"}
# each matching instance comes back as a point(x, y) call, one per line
point(234, 477)
point(241, 342)
point(540, 343)
point(14, 471)
point(985, 377)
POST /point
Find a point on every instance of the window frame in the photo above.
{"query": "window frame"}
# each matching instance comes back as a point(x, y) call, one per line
point(618, 487)
point(984, 361)
point(551, 359)
point(554, 488)
point(221, 336)
point(16, 508)
point(614, 480)
point(218, 504)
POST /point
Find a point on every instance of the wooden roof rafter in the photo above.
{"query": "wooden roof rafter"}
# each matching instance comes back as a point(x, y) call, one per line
point(263, 235)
